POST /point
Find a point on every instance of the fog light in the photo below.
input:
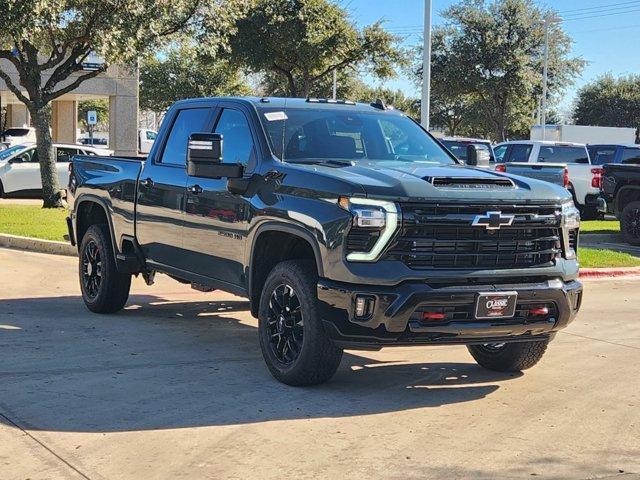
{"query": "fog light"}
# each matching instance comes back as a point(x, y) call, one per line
point(539, 311)
point(432, 316)
point(364, 306)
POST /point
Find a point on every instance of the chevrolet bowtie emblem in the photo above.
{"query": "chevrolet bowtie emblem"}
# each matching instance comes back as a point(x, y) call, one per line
point(493, 220)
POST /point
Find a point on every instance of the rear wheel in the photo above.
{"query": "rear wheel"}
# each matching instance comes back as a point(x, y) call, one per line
point(630, 223)
point(508, 357)
point(104, 288)
point(590, 213)
point(294, 344)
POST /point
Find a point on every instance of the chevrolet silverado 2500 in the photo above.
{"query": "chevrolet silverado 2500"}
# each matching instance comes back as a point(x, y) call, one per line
point(346, 226)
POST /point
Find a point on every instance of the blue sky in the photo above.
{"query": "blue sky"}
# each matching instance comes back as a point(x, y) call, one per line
point(609, 40)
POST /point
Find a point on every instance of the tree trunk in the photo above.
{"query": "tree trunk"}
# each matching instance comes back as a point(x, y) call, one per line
point(293, 89)
point(51, 193)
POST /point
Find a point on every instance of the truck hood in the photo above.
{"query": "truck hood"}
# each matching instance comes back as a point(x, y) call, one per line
point(414, 182)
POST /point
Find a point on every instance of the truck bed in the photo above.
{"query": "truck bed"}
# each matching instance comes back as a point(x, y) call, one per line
point(113, 182)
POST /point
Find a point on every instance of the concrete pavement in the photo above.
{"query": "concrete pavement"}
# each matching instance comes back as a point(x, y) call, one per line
point(175, 387)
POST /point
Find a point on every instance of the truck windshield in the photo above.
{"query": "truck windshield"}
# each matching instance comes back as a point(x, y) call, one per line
point(11, 151)
point(317, 135)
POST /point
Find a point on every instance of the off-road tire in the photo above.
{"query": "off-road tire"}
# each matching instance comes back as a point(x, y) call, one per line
point(113, 290)
point(1, 190)
point(318, 358)
point(510, 357)
point(590, 213)
point(630, 223)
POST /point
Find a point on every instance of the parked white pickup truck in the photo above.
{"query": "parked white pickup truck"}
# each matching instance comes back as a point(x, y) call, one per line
point(584, 178)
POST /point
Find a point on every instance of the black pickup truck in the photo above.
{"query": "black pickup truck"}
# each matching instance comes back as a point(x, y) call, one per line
point(346, 226)
point(620, 195)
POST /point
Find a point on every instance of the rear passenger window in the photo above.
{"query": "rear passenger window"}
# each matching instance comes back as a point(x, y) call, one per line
point(563, 154)
point(187, 121)
point(602, 155)
point(63, 155)
point(631, 155)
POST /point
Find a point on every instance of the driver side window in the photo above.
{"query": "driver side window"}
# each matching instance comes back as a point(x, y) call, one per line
point(236, 137)
point(30, 156)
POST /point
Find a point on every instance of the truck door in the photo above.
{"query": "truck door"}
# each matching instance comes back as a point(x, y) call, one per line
point(162, 189)
point(22, 172)
point(216, 220)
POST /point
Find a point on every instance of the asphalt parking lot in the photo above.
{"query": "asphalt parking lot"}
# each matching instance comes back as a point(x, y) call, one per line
point(174, 387)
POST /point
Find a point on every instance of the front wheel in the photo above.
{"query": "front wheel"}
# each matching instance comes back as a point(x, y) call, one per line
point(630, 223)
point(508, 357)
point(104, 288)
point(293, 341)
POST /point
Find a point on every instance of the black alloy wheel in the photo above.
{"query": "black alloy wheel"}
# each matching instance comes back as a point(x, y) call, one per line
point(91, 269)
point(285, 324)
point(104, 288)
point(295, 345)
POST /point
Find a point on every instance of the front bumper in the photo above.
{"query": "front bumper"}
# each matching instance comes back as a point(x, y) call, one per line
point(393, 320)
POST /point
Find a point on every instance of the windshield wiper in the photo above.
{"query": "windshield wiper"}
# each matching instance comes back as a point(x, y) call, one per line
point(323, 161)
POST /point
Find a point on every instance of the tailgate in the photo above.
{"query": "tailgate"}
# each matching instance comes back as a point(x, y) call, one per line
point(548, 172)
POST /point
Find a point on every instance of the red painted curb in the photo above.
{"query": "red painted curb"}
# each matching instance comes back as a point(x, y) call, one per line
point(609, 272)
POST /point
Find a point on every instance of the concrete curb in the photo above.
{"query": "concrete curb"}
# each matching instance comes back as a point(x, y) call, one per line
point(594, 238)
point(37, 245)
point(609, 272)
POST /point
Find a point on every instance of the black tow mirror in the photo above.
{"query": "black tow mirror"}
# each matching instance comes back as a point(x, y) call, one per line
point(477, 157)
point(205, 155)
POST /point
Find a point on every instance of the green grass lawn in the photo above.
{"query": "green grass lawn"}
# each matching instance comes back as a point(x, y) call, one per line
point(595, 258)
point(600, 226)
point(33, 221)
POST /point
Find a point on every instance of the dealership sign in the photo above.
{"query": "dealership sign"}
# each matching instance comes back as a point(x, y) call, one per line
point(93, 62)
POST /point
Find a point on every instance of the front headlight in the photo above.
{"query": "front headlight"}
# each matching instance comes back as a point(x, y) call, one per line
point(376, 219)
point(570, 228)
point(570, 216)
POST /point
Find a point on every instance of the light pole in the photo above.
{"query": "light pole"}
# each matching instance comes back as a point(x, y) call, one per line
point(426, 66)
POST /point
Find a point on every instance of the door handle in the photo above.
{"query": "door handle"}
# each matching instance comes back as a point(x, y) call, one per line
point(147, 183)
point(195, 189)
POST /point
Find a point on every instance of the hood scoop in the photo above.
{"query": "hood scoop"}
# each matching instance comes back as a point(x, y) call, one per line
point(470, 183)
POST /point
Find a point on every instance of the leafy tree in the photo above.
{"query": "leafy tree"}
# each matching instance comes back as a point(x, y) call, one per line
point(304, 41)
point(350, 87)
point(101, 107)
point(453, 107)
point(47, 41)
point(348, 82)
point(182, 73)
point(609, 102)
point(394, 98)
point(488, 66)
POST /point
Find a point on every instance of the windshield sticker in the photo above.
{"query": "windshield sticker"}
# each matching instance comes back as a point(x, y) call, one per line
point(273, 116)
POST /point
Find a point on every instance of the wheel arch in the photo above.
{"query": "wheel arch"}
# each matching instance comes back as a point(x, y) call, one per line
point(91, 210)
point(273, 243)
